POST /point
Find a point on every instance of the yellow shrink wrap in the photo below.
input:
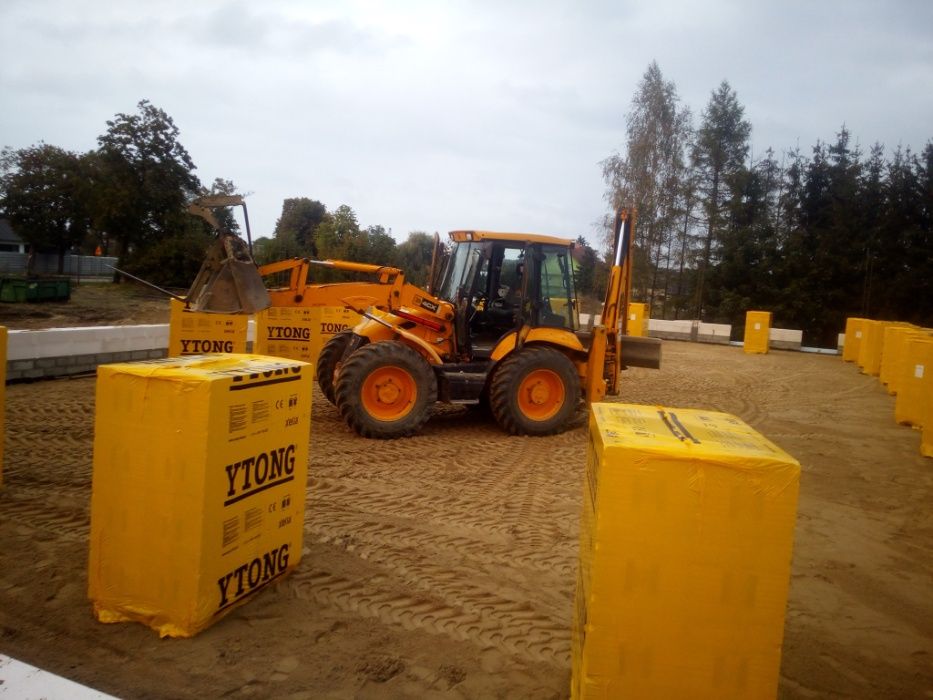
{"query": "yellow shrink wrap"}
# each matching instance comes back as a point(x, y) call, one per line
point(926, 438)
point(871, 352)
point(200, 471)
point(853, 342)
point(871, 340)
point(757, 332)
point(914, 387)
point(197, 333)
point(638, 315)
point(685, 553)
point(3, 353)
point(892, 354)
point(299, 332)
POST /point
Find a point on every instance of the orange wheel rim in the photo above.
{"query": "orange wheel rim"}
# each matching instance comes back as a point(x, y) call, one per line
point(541, 394)
point(389, 393)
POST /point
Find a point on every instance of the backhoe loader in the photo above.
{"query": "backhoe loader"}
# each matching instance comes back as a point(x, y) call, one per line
point(498, 325)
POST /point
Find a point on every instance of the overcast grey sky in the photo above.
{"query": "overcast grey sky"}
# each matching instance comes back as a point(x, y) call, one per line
point(441, 115)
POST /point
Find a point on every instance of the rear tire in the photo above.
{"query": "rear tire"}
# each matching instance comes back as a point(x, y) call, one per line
point(328, 362)
point(535, 391)
point(385, 390)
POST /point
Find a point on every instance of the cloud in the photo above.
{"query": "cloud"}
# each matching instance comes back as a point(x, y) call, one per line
point(452, 115)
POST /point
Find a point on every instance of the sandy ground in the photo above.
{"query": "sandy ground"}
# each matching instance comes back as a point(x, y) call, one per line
point(443, 566)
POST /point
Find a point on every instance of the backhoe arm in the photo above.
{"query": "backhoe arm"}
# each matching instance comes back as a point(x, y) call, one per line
point(605, 357)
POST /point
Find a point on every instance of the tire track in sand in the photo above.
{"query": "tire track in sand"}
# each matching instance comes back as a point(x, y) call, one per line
point(485, 620)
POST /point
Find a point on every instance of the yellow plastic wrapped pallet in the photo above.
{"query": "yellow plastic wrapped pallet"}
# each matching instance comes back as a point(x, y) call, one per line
point(891, 354)
point(853, 342)
point(926, 437)
point(197, 333)
point(685, 552)
point(638, 315)
point(894, 356)
point(871, 353)
point(870, 346)
point(3, 342)
point(757, 332)
point(299, 332)
point(200, 470)
point(914, 387)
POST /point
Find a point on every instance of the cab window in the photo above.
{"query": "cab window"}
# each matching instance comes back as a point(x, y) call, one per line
point(555, 280)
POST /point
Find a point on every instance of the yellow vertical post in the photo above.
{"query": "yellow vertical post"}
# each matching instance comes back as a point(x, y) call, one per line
point(3, 353)
point(757, 332)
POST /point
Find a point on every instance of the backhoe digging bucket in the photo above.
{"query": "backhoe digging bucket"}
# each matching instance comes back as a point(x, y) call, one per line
point(228, 281)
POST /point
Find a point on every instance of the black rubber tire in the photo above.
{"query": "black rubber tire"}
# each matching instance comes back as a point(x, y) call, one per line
point(351, 382)
point(507, 381)
point(328, 359)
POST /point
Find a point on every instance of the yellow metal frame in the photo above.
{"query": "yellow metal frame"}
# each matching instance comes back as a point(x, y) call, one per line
point(383, 293)
point(461, 236)
point(542, 335)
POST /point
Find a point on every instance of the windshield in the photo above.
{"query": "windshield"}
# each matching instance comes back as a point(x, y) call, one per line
point(458, 273)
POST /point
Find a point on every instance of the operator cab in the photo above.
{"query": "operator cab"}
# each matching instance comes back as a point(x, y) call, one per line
point(500, 282)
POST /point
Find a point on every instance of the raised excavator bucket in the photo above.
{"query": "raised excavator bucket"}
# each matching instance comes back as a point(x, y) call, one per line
point(228, 281)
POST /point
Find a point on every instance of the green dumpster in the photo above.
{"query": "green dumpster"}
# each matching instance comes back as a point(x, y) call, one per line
point(50, 290)
point(16, 290)
point(13, 290)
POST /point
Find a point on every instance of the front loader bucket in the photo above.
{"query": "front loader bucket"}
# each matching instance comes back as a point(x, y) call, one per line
point(639, 351)
point(228, 281)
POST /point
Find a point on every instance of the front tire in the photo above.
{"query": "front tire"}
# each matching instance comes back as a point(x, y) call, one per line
point(535, 391)
point(328, 362)
point(385, 390)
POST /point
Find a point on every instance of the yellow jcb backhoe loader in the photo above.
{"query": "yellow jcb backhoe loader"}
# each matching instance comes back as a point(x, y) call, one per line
point(499, 324)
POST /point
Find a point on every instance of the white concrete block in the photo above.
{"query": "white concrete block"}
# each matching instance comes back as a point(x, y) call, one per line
point(715, 330)
point(657, 324)
point(93, 340)
point(20, 680)
point(786, 335)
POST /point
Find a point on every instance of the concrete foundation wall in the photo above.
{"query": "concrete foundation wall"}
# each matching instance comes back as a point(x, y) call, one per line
point(60, 352)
